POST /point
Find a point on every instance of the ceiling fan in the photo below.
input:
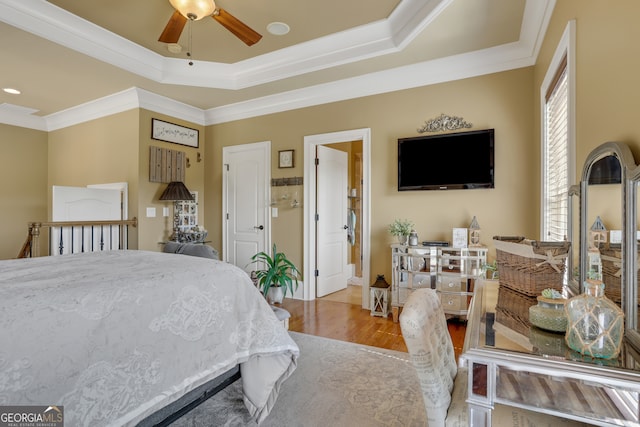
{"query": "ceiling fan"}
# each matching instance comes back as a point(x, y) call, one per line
point(194, 10)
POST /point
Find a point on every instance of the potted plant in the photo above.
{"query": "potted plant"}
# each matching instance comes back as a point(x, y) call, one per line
point(401, 229)
point(276, 276)
point(491, 270)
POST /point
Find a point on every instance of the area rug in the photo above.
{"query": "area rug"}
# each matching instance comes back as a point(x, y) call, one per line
point(336, 383)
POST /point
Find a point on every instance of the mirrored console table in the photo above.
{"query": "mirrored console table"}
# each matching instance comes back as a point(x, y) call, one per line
point(512, 363)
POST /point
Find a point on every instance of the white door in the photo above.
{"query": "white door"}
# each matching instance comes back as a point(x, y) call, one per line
point(246, 196)
point(331, 224)
point(85, 204)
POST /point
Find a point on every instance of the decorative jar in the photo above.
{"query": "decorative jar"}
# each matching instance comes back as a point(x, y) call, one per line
point(413, 238)
point(549, 314)
point(595, 324)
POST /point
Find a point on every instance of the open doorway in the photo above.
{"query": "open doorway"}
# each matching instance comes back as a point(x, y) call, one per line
point(357, 215)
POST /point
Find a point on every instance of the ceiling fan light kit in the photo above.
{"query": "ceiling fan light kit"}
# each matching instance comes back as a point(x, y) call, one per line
point(194, 10)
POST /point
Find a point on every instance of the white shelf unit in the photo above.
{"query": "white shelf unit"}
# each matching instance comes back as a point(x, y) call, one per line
point(450, 271)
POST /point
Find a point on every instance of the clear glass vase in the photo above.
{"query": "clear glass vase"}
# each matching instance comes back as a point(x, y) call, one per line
point(595, 324)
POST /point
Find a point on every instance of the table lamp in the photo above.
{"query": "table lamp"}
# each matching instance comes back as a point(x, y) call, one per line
point(176, 191)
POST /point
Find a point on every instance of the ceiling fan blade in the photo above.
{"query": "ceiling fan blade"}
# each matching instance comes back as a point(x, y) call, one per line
point(238, 28)
point(172, 31)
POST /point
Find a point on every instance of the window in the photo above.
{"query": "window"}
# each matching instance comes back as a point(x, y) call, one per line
point(556, 183)
point(557, 145)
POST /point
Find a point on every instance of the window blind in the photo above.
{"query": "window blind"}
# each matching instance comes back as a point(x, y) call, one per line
point(556, 161)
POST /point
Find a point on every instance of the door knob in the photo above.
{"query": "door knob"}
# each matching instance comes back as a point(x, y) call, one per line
point(259, 227)
point(346, 227)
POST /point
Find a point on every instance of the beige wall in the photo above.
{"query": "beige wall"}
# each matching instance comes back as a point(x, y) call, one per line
point(607, 61)
point(97, 152)
point(23, 174)
point(115, 148)
point(155, 230)
point(607, 88)
point(110, 149)
point(502, 101)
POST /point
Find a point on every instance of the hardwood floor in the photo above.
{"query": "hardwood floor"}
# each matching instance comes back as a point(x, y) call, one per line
point(349, 322)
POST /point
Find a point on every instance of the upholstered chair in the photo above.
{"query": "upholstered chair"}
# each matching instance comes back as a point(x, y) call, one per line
point(444, 387)
point(424, 329)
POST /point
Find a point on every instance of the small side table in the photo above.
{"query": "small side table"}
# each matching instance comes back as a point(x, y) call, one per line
point(380, 301)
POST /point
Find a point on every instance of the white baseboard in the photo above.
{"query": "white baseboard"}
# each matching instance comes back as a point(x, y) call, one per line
point(356, 281)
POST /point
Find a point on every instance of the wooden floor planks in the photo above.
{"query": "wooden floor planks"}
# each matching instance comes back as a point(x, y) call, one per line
point(349, 322)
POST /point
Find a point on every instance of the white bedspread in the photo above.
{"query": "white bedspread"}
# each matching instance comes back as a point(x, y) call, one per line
point(114, 336)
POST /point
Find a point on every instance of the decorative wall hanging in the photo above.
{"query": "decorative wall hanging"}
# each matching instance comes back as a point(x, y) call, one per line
point(280, 182)
point(169, 132)
point(444, 123)
point(166, 165)
point(285, 159)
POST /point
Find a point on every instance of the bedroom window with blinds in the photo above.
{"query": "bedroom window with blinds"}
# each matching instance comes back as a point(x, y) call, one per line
point(556, 156)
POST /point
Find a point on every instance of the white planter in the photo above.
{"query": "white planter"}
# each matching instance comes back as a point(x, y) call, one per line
point(275, 295)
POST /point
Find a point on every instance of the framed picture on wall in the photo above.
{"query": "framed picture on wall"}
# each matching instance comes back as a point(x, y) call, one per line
point(169, 132)
point(285, 159)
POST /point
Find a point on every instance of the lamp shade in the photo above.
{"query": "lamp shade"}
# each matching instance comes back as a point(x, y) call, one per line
point(194, 9)
point(176, 190)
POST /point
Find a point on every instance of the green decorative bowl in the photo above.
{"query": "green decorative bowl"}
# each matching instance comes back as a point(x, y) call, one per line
point(549, 314)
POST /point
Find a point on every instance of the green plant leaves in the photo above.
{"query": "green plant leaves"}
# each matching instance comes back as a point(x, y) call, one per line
point(277, 270)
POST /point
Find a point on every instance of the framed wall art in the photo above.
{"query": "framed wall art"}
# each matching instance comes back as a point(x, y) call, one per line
point(177, 134)
point(285, 159)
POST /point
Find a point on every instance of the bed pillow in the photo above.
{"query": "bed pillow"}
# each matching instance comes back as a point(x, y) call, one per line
point(192, 249)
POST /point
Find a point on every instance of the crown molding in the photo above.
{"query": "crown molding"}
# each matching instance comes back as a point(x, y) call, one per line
point(123, 101)
point(16, 115)
point(486, 61)
point(102, 107)
point(501, 58)
point(48, 21)
point(170, 107)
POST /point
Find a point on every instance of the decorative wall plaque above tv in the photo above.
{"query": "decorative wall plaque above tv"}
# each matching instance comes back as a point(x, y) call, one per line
point(453, 161)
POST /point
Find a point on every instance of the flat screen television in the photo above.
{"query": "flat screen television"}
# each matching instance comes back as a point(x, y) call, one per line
point(463, 160)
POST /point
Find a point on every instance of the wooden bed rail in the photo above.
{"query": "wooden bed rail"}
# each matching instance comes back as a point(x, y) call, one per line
point(77, 236)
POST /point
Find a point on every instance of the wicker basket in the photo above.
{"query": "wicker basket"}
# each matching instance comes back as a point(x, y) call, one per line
point(515, 303)
point(530, 266)
point(611, 258)
point(511, 321)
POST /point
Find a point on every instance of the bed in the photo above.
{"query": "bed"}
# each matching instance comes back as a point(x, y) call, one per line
point(117, 337)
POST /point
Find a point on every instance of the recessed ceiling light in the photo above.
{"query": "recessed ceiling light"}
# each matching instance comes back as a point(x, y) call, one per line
point(174, 48)
point(11, 90)
point(278, 28)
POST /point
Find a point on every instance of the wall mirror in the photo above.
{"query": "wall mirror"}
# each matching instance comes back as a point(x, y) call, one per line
point(573, 236)
point(608, 190)
point(632, 301)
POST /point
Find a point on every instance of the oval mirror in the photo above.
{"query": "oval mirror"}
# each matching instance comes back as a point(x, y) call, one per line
point(604, 220)
point(632, 295)
point(573, 234)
